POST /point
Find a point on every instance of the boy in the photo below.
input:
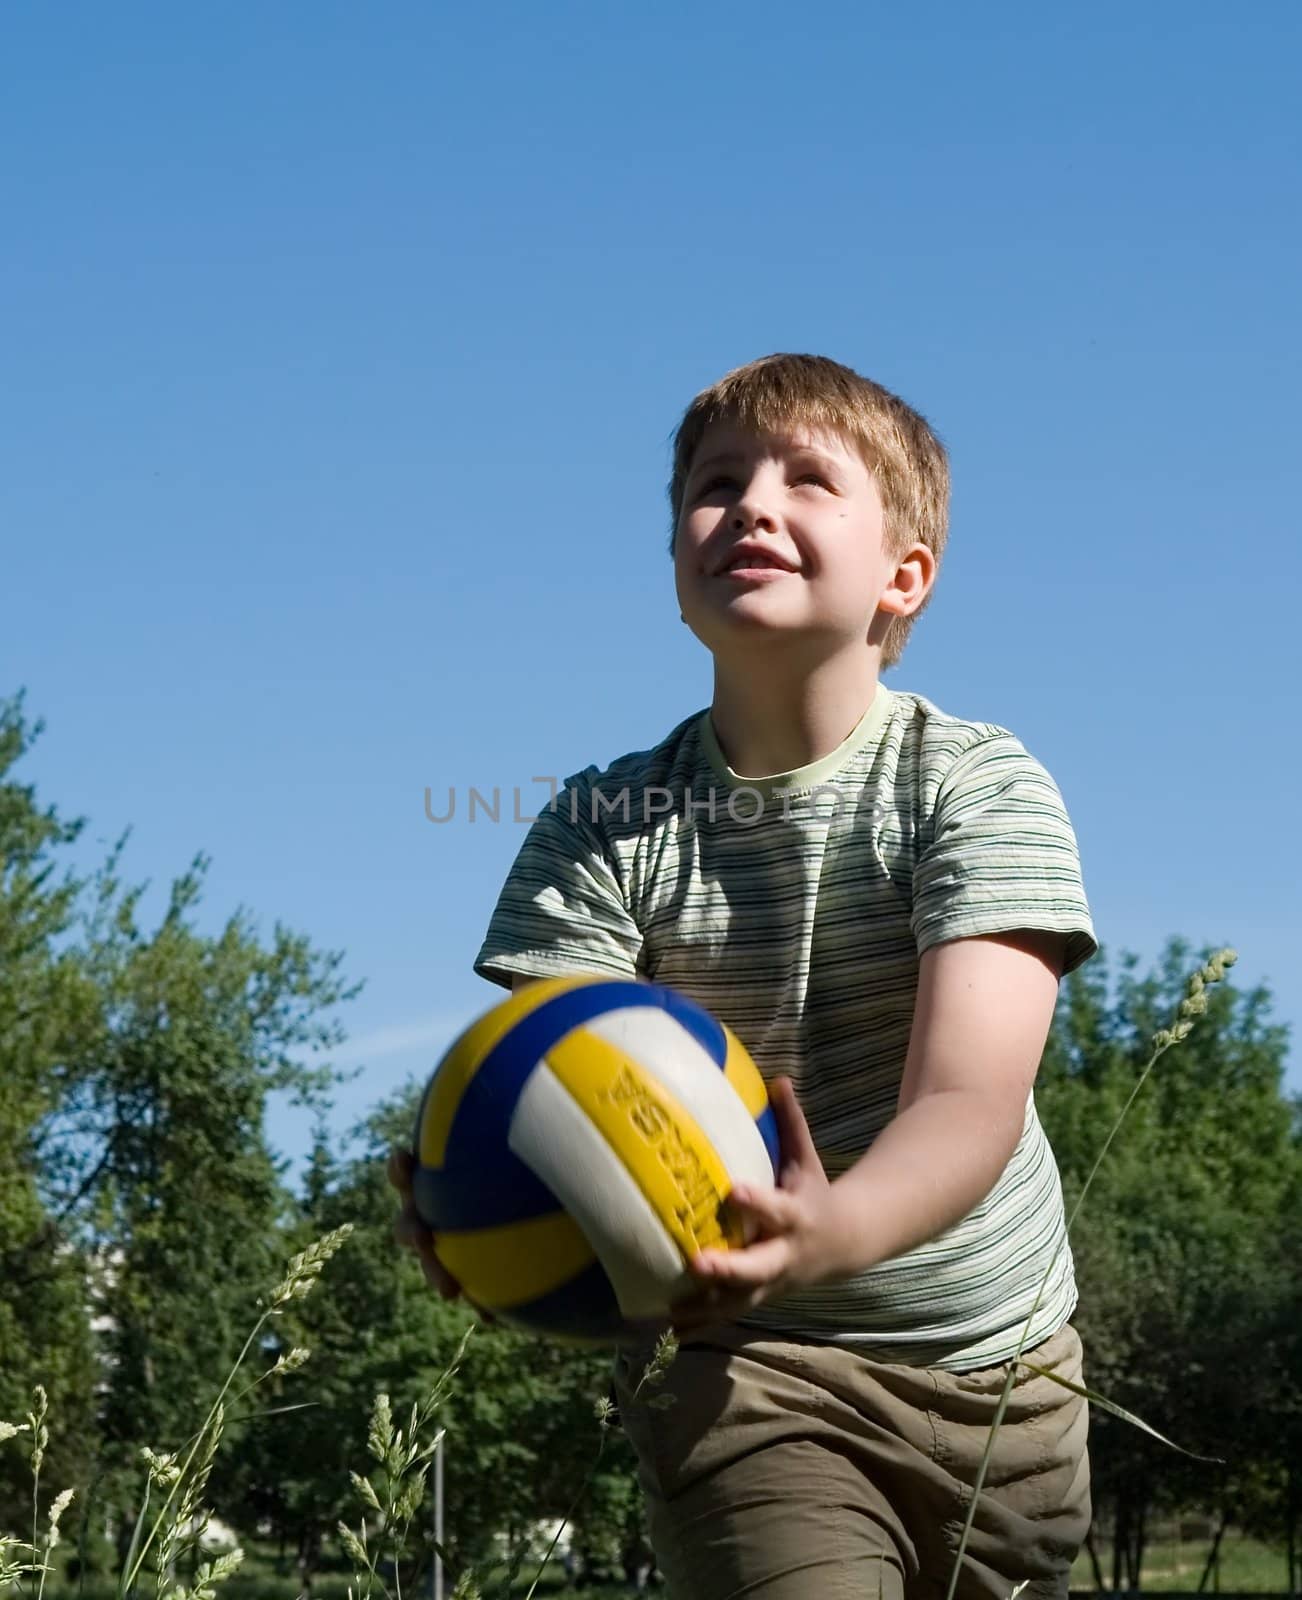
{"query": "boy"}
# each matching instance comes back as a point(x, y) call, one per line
point(880, 900)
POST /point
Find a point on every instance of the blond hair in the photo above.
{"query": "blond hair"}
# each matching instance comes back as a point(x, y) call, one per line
point(896, 443)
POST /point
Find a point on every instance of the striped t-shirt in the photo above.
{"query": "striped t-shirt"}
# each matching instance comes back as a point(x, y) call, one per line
point(795, 908)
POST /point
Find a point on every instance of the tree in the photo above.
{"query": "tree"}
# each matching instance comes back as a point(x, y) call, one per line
point(137, 1063)
point(1177, 1247)
point(46, 1013)
point(187, 1203)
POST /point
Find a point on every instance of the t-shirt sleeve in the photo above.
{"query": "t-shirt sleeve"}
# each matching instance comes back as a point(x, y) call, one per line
point(562, 908)
point(1002, 855)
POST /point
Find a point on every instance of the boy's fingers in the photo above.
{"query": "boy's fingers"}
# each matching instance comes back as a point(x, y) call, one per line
point(435, 1272)
point(794, 1137)
point(411, 1232)
point(755, 1267)
point(763, 1210)
point(399, 1170)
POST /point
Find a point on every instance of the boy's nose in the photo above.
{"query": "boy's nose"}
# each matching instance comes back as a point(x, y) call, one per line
point(752, 513)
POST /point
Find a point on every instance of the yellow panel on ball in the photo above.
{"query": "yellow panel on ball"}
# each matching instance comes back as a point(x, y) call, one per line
point(508, 1266)
point(659, 1143)
point(742, 1073)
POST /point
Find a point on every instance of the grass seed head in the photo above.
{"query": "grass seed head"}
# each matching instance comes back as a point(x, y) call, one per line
point(61, 1504)
point(162, 1468)
point(305, 1268)
point(380, 1434)
point(366, 1489)
point(1216, 966)
point(410, 1498)
point(1194, 1003)
point(353, 1545)
point(36, 1422)
point(291, 1361)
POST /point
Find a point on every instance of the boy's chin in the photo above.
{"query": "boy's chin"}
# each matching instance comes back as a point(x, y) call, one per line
point(740, 624)
point(729, 635)
point(745, 612)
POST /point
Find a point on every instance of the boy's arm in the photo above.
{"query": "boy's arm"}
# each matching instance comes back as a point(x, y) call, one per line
point(983, 1013)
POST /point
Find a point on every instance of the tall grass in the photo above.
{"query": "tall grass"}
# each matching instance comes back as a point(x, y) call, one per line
point(22, 1558)
point(178, 1479)
point(403, 1457)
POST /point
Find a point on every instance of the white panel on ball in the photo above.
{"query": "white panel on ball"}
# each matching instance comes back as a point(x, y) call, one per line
point(555, 1138)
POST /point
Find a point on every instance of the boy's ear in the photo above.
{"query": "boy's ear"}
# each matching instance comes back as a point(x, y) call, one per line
point(911, 584)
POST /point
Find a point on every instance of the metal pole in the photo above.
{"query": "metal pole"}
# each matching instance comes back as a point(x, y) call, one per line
point(438, 1521)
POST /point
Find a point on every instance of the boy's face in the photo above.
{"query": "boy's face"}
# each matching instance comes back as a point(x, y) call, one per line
point(782, 534)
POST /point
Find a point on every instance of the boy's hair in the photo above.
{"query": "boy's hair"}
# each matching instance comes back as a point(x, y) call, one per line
point(897, 445)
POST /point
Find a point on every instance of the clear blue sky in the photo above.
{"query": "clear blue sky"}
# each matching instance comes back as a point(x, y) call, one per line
point(342, 348)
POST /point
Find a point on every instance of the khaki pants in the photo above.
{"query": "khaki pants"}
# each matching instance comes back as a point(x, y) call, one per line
point(801, 1471)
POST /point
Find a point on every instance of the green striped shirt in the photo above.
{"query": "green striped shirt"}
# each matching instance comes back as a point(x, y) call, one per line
point(796, 908)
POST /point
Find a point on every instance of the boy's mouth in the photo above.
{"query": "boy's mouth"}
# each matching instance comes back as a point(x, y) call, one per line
point(745, 559)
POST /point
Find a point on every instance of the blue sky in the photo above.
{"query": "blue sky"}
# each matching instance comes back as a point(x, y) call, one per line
point(343, 348)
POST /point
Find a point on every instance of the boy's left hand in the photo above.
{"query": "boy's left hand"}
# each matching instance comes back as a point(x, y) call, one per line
point(793, 1227)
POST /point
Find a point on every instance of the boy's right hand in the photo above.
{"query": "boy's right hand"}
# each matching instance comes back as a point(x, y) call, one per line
point(409, 1230)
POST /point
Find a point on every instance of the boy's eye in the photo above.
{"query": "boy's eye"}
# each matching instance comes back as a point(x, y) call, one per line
point(814, 477)
point(720, 481)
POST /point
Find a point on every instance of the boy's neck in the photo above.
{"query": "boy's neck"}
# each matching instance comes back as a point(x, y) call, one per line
point(769, 721)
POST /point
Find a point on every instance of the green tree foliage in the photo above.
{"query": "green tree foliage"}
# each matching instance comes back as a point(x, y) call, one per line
point(46, 1014)
point(1181, 1248)
point(186, 1203)
point(137, 1064)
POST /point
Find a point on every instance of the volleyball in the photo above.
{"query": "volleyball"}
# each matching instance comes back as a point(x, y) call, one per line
point(574, 1149)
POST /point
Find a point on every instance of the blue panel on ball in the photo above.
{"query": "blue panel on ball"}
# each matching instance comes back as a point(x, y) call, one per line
point(767, 1124)
point(699, 1023)
point(583, 1308)
point(477, 1138)
point(462, 1195)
